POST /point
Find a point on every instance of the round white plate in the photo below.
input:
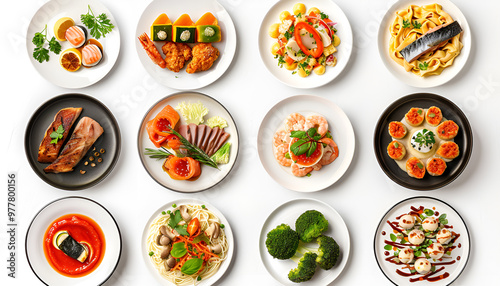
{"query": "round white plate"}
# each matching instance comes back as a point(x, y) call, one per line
point(227, 230)
point(344, 49)
point(342, 133)
point(407, 77)
point(288, 213)
point(454, 219)
point(195, 9)
point(48, 14)
point(73, 205)
point(209, 176)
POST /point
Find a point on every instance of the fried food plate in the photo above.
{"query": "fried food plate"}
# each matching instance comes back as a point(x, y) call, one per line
point(73, 205)
point(407, 77)
point(453, 217)
point(342, 132)
point(395, 112)
point(288, 213)
point(48, 14)
point(195, 9)
point(294, 80)
point(209, 176)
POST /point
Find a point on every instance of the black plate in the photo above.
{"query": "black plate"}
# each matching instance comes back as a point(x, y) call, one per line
point(110, 140)
point(395, 112)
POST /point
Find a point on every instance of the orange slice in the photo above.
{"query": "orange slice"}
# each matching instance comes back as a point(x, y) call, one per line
point(71, 59)
point(61, 26)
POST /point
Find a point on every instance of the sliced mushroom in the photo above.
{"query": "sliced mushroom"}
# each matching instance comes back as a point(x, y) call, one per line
point(164, 230)
point(215, 248)
point(172, 234)
point(169, 263)
point(184, 213)
point(164, 240)
point(213, 230)
point(165, 252)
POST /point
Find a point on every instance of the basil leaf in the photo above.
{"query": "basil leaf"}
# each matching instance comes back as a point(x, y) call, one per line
point(303, 148)
point(393, 237)
point(428, 212)
point(387, 247)
point(418, 253)
point(311, 150)
point(178, 250)
point(311, 132)
point(201, 237)
point(191, 266)
point(298, 134)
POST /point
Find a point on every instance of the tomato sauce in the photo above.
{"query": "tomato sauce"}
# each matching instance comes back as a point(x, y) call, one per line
point(303, 159)
point(85, 231)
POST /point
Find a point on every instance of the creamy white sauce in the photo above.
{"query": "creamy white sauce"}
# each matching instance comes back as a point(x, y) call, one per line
point(410, 151)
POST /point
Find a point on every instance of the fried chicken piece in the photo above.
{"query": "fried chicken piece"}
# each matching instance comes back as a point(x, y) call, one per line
point(204, 55)
point(177, 54)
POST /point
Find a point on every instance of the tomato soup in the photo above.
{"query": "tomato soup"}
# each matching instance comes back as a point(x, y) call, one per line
point(85, 231)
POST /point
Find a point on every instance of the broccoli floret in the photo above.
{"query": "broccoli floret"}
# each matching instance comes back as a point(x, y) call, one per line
point(282, 242)
point(328, 251)
point(310, 225)
point(305, 269)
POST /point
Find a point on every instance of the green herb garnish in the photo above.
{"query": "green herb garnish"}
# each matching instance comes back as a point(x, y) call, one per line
point(442, 219)
point(323, 16)
point(432, 115)
point(428, 212)
point(387, 247)
point(426, 137)
point(423, 66)
point(289, 33)
point(306, 143)
point(396, 145)
point(98, 26)
point(416, 24)
point(175, 218)
point(195, 152)
point(420, 166)
point(56, 135)
point(406, 23)
point(393, 237)
point(157, 153)
point(40, 53)
point(151, 253)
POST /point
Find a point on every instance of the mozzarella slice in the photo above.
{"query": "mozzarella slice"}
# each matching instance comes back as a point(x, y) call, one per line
point(292, 49)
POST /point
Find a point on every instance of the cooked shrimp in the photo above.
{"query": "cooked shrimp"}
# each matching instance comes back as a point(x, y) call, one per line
point(280, 137)
point(280, 155)
point(295, 122)
point(300, 172)
point(318, 122)
point(317, 166)
point(330, 152)
point(152, 51)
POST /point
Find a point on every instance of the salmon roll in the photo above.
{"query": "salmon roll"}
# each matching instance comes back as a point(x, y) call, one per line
point(448, 150)
point(436, 166)
point(447, 130)
point(91, 55)
point(433, 116)
point(415, 116)
point(397, 130)
point(396, 150)
point(415, 168)
point(76, 36)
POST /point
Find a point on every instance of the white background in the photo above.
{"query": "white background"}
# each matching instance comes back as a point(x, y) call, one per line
point(248, 91)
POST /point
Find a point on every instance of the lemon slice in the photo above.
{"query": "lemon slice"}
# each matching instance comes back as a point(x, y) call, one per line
point(71, 59)
point(61, 26)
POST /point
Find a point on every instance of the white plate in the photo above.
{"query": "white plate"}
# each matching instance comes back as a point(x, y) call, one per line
point(48, 14)
point(227, 230)
point(344, 49)
point(408, 77)
point(342, 133)
point(288, 213)
point(209, 176)
point(73, 205)
point(195, 9)
point(454, 219)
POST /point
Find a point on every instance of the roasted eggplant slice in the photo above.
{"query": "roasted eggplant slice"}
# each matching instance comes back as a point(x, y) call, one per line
point(69, 246)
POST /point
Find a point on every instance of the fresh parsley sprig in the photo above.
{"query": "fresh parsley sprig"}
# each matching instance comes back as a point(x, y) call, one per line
point(56, 135)
point(175, 218)
point(98, 26)
point(426, 137)
point(423, 66)
point(40, 53)
point(406, 23)
point(416, 24)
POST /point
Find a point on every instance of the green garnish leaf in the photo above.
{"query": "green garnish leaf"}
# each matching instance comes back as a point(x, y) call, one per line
point(298, 134)
point(192, 112)
point(403, 240)
point(192, 266)
point(157, 153)
point(178, 250)
point(54, 46)
point(406, 23)
point(222, 155)
point(388, 247)
point(442, 219)
point(416, 24)
point(307, 143)
point(151, 253)
point(393, 237)
point(428, 212)
point(98, 26)
point(433, 268)
point(396, 145)
point(175, 218)
point(423, 66)
point(201, 237)
point(432, 115)
point(420, 166)
point(323, 16)
point(418, 253)
point(56, 135)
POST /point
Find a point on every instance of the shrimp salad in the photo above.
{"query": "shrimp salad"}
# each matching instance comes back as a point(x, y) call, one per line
point(304, 144)
point(306, 40)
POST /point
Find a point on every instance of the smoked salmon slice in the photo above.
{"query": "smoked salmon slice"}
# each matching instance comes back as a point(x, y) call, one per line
point(48, 152)
point(86, 132)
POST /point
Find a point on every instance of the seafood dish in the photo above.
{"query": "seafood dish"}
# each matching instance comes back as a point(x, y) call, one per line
point(429, 144)
point(186, 143)
point(85, 134)
point(53, 141)
point(424, 39)
point(187, 243)
point(74, 245)
point(184, 41)
point(421, 243)
point(306, 41)
point(304, 144)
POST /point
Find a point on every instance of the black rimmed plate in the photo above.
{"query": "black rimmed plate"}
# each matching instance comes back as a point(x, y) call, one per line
point(209, 176)
point(110, 141)
point(73, 205)
point(460, 253)
point(395, 112)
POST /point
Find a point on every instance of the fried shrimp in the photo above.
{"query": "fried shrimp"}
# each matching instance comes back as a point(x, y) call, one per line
point(152, 51)
point(318, 122)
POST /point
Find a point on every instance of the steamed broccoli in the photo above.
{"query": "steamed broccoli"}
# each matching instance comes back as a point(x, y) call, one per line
point(310, 225)
point(305, 269)
point(328, 251)
point(282, 242)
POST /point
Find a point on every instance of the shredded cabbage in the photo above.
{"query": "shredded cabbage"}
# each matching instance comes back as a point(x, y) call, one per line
point(222, 155)
point(217, 121)
point(192, 112)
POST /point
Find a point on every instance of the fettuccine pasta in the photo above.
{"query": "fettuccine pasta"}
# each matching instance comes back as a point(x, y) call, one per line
point(409, 25)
